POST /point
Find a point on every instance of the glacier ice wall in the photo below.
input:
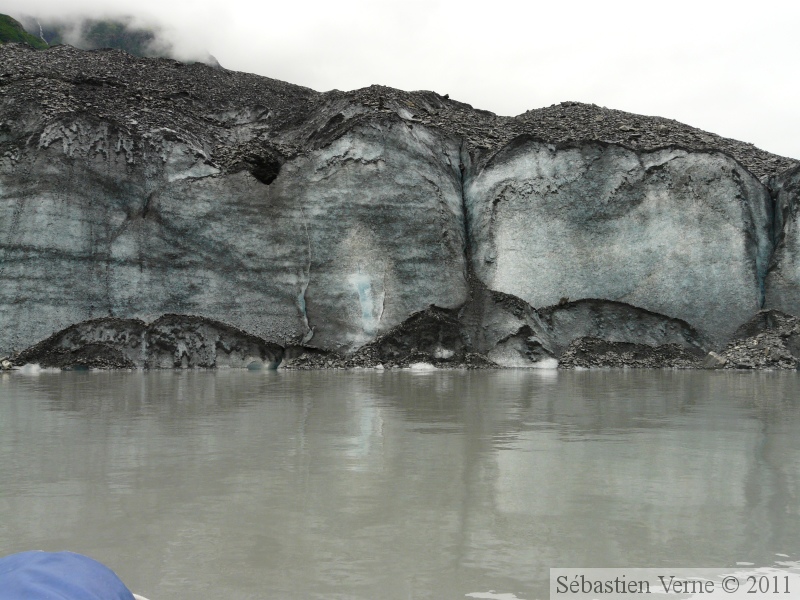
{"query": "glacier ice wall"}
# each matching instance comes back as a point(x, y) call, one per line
point(134, 188)
point(345, 243)
point(683, 234)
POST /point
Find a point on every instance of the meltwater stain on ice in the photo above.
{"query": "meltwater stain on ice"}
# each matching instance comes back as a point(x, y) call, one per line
point(366, 299)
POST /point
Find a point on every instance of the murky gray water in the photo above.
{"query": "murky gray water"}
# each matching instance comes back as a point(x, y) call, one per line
point(397, 485)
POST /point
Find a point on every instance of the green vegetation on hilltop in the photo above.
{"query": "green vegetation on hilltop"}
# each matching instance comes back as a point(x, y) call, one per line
point(12, 31)
point(120, 33)
point(87, 34)
point(110, 33)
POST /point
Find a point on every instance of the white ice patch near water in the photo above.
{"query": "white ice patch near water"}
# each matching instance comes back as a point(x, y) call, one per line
point(35, 369)
point(546, 363)
point(512, 359)
point(422, 366)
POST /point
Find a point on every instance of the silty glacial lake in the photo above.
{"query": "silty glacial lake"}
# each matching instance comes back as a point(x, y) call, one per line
point(397, 485)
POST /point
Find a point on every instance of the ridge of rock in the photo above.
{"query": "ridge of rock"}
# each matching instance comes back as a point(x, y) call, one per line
point(157, 92)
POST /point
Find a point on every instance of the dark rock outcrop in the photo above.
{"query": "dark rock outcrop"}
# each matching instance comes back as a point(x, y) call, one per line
point(614, 322)
point(770, 340)
point(590, 352)
point(503, 328)
point(168, 342)
point(433, 336)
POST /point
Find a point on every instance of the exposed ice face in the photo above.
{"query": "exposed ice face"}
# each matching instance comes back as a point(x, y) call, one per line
point(385, 228)
point(678, 233)
point(354, 235)
point(347, 242)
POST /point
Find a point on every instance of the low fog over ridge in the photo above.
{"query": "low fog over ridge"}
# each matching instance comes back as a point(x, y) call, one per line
point(137, 35)
point(178, 32)
point(76, 31)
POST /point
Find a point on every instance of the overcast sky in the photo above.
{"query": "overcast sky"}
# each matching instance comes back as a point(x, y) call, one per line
point(709, 64)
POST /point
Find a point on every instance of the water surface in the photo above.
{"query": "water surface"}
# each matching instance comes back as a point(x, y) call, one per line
point(397, 485)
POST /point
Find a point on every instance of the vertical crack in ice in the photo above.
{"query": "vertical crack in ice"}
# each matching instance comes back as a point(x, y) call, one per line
point(383, 300)
point(146, 205)
point(764, 248)
point(464, 218)
point(301, 299)
point(777, 224)
point(469, 273)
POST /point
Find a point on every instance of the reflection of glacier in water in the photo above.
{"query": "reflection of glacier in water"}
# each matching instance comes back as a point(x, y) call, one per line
point(398, 484)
